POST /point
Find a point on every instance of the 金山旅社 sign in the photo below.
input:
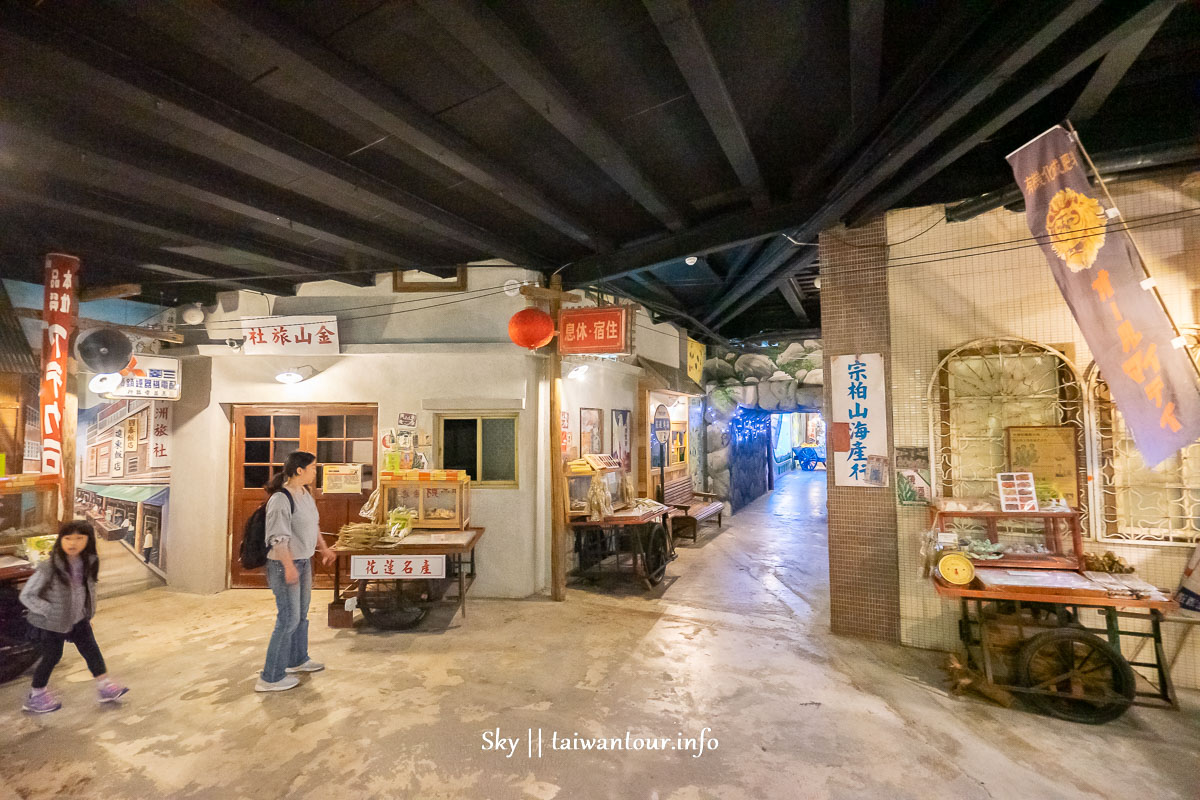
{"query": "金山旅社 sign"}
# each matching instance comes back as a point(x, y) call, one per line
point(859, 431)
point(281, 336)
point(382, 568)
point(1137, 349)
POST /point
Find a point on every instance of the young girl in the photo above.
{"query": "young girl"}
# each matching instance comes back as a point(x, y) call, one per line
point(293, 536)
point(61, 598)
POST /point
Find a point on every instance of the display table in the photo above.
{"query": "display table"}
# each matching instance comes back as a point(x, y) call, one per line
point(1063, 667)
point(399, 602)
point(640, 532)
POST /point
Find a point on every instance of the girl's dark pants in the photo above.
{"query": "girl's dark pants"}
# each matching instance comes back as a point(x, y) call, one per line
point(51, 645)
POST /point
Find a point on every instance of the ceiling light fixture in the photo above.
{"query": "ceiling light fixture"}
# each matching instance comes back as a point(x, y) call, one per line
point(295, 374)
point(105, 382)
point(577, 372)
point(816, 283)
point(691, 261)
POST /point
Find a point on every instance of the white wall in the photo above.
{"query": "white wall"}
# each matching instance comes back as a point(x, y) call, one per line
point(606, 385)
point(949, 299)
point(459, 378)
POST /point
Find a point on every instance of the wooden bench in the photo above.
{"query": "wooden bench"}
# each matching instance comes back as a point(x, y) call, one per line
point(689, 508)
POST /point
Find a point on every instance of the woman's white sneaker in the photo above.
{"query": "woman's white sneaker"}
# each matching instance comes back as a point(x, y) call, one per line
point(307, 666)
point(281, 685)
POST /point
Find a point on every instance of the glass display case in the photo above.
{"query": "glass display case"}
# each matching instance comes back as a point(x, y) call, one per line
point(438, 499)
point(28, 508)
point(1025, 539)
point(579, 484)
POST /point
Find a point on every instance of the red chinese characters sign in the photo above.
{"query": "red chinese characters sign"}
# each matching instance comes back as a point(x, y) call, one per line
point(385, 567)
point(1099, 273)
point(59, 313)
point(593, 331)
point(290, 335)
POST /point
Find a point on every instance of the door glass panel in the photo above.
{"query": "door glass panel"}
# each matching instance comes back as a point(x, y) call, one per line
point(284, 448)
point(361, 452)
point(330, 426)
point(258, 427)
point(258, 452)
point(287, 427)
point(499, 446)
point(255, 477)
point(360, 426)
point(329, 452)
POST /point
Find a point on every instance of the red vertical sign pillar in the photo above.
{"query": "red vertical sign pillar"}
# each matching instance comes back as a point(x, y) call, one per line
point(59, 312)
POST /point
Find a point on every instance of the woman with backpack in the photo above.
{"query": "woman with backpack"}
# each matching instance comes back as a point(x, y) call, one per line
point(293, 534)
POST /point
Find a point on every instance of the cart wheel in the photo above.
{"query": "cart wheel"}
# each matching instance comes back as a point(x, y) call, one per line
point(808, 466)
point(394, 605)
point(657, 555)
point(1080, 676)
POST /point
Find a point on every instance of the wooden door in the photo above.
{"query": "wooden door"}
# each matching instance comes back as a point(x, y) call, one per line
point(263, 436)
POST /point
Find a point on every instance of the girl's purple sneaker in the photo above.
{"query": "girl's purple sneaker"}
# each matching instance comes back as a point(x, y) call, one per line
point(111, 692)
point(41, 703)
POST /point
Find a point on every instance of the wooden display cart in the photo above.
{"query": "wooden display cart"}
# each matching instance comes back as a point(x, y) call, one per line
point(440, 498)
point(401, 603)
point(638, 533)
point(1056, 526)
point(20, 518)
point(1063, 667)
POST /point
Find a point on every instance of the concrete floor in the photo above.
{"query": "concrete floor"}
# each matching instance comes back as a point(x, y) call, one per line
point(736, 641)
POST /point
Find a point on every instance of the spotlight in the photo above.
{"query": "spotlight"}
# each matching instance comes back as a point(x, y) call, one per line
point(691, 261)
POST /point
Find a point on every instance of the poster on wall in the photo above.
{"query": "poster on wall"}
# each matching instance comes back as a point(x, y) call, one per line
point(591, 431)
point(341, 479)
point(913, 487)
point(1140, 354)
point(1049, 453)
point(860, 431)
point(621, 438)
point(695, 360)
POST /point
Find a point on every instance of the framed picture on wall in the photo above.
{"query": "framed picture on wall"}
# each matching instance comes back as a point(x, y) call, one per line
point(591, 431)
point(622, 445)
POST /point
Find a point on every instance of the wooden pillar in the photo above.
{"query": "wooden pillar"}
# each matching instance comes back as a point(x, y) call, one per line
point(558, 479)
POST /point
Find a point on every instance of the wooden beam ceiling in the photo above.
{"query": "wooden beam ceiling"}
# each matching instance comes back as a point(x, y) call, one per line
point(479, 30)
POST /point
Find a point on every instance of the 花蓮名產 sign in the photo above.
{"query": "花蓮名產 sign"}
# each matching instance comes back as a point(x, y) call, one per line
point(594, 331)
point(1137, 349)
point(859, 431)
point(382, 568)
point(278, 336)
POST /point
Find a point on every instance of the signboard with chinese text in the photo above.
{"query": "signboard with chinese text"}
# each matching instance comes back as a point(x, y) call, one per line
point(1100, 276)
point(1049, 452)
point(281, 336)
point(341, 479)
point(594, 330)
point(59, 313)
point(131, 435)
point(383, 567)
point(160, 434)
point(695, 360)
point(860, 433)
point(661, 426)
point(116, 466)
point(406, 419)
point(150, 376)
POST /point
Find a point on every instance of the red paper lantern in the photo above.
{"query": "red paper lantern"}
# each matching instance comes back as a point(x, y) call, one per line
point(532, 328)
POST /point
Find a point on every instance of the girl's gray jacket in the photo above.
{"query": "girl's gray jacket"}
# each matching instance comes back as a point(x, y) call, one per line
point(54, 612)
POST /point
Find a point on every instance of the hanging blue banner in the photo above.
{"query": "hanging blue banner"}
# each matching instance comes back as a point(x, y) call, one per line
point(1099, 273)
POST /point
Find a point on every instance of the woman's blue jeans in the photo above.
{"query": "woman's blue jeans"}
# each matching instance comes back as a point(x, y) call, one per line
point(289, 640)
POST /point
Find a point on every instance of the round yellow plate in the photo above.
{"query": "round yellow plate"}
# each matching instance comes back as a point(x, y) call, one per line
point(956, 568)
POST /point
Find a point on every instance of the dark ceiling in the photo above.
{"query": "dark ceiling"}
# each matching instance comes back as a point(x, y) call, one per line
point(166, 141)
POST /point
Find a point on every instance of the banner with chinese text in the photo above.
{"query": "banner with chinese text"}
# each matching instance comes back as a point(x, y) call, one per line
point(1098, 272)
point(594, 331)
point(150, 376)
point(59, 313)
point(859, 436)
point(281, 336)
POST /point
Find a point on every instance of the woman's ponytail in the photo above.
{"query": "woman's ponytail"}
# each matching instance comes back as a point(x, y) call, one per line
point(295, 462)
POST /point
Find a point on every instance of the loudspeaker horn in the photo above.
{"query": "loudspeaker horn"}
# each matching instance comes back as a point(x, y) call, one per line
point(104, 350)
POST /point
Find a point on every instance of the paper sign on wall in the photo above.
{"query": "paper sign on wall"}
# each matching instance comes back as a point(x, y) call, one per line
point(860, 432)
point(342, 479)
point(160, 434)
